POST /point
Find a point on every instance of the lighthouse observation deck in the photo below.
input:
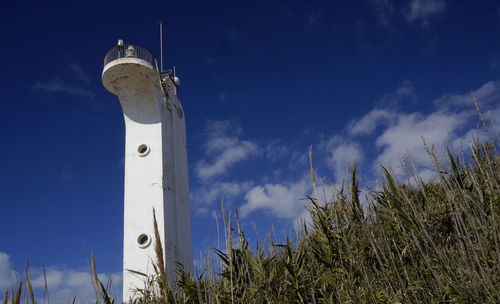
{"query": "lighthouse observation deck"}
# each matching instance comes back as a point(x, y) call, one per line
point(130, 51)
point(128, 64)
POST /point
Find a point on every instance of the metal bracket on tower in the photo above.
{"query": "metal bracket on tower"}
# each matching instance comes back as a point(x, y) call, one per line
point(163, 85)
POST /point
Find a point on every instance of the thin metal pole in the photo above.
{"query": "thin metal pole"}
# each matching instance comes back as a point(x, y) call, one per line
point(165, 42)
point(161, 46)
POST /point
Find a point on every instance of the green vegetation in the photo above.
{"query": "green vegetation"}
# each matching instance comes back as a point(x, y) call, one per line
point(417, 241)
point(411, 241)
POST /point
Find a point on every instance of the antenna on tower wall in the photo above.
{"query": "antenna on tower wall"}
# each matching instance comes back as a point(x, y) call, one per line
point(161, 46)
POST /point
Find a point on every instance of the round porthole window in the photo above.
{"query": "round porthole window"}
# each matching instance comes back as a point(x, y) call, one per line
point(143, 240)
point(143, 150)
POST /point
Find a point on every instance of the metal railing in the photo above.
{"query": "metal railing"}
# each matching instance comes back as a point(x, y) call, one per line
point(131, 51)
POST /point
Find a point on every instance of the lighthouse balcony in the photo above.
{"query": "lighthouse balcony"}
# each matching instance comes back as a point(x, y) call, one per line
point(130, 52)
point(128, 66)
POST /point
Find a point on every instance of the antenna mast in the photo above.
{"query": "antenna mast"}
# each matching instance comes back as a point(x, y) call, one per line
point(161, 46)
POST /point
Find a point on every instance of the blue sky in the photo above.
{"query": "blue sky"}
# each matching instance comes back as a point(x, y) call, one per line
point(261, 82)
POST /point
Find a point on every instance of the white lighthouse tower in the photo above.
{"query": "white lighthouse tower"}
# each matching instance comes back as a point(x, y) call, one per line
point(156, 169)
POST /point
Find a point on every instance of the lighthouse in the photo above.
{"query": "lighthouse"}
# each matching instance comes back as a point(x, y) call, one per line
point(156, 168)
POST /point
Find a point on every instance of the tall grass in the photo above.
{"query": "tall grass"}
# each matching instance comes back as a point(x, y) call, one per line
point(411, 241)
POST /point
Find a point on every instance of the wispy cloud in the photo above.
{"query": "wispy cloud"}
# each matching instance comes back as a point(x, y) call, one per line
point(282, 200)
point(397, 132)
point(56, 85)
point(63, 283)
point(380, 137)
point(224, 148)
point(406, 133)
point(405, 93)
point(487, 94)
point(412, 11)
point(288, 199)
point(423, 10)
point(341, 152)
point(206, 196)
point(367, 124)
point(342, 156)
point(385, 111)
point(7, 273)
point(78, 72)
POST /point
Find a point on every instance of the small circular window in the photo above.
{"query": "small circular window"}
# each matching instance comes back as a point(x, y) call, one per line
point(143, 240)
point(143, 150)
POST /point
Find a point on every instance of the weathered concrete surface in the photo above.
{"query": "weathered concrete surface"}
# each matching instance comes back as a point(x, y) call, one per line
point(156, 171)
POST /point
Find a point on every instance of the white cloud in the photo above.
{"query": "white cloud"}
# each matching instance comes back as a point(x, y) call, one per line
point(367, 124)
point(54, 279)
point(403, 94)
point(341, 153)
point(326, 192)
point(401, 132)
point(398, 133)
point(462, 143)
point(342, 156)
point(384, 113)
point(393, 133)
point(486, 94)
point(71, 283)
point(406, 136)
point(58, 86)
point(210, 194)
point(7, 274)
point(281, 200)
point(225, 148)
point(413, 10)
point(422, 10)
point(62, 283)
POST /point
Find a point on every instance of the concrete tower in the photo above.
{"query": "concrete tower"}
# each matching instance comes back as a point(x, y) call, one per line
point(156, 169)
